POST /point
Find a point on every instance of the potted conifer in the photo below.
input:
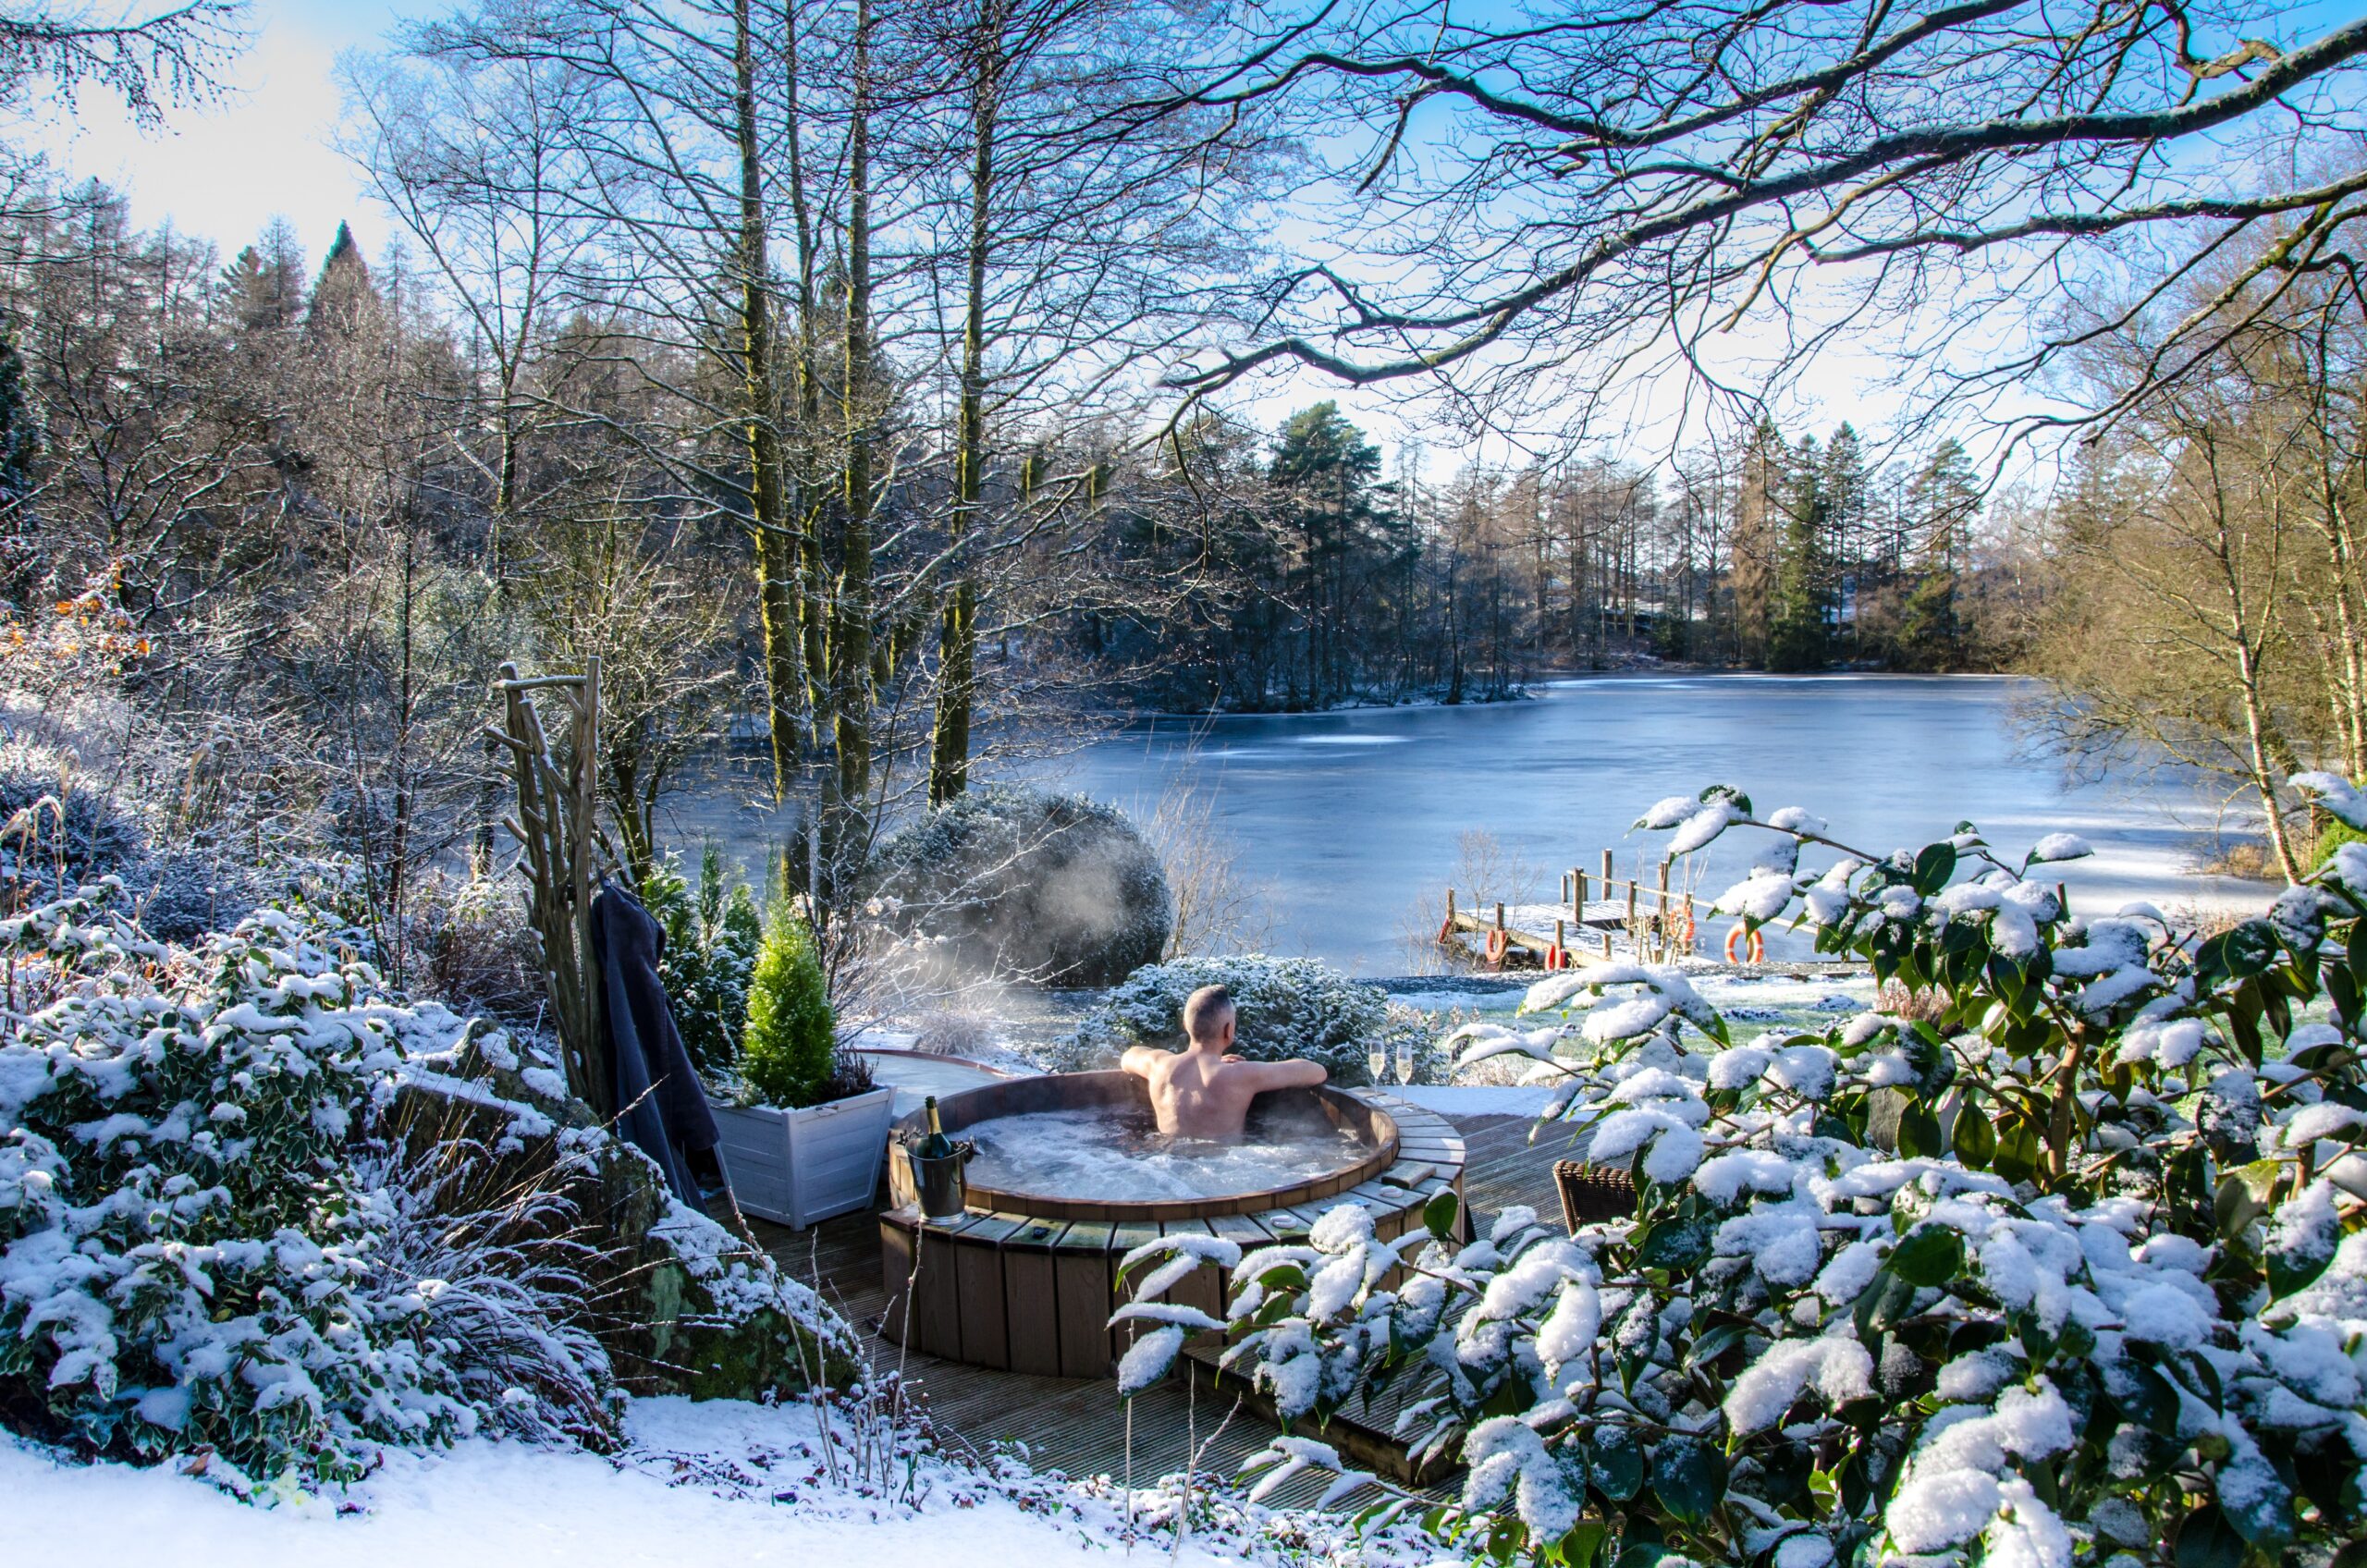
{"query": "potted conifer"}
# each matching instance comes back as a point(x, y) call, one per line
point(805, 1139)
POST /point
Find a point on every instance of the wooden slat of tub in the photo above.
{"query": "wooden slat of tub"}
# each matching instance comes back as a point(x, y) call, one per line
point(936, 1294)
point(1030, 1296)
point(979, 1259)
point(895, 1275)
point(1081, 1286)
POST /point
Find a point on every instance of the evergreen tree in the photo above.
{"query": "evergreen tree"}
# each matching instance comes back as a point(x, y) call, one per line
point(343, 295)
point(1802, 598)
point(263, 285)
point(1943, 504)
point(788, 1053)
point(1848, 493)
point(1325, 469)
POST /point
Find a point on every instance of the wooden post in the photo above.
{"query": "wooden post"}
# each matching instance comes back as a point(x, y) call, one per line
point(1579, 901)
point(1608, 867)
point(1500, 914)
point(1561, 935)
point(1667, 934)
point(555, 828)
point(1449, 926)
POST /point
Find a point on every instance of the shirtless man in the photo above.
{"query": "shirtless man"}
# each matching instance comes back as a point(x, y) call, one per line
point(1202, 1091)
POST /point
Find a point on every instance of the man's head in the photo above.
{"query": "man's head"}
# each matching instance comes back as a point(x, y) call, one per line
point(1208, 1018)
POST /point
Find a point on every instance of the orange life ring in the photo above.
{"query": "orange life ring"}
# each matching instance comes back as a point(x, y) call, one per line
point(1754, 947)
point(1557, 958)
point(1685, 933)
point(1499, 944)
point(1446, 930)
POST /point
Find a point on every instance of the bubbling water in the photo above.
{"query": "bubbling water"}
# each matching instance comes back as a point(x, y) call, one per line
point(1122, 1157)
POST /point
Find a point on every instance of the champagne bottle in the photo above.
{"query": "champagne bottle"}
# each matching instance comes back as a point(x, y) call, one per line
point(937, 1146)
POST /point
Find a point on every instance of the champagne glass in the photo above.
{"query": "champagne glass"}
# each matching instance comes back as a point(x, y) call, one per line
point(1378, 1055)
point(1406, 1061)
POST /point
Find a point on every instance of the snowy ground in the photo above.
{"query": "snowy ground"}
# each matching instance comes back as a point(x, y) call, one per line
point(721, 1483)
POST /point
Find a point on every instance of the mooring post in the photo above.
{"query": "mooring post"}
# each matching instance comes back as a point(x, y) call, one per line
point(1500, 914)
point(1446, 932)
point(1578, 897)
point(1561, 935)
point(1608, 867)
point(1667, 935)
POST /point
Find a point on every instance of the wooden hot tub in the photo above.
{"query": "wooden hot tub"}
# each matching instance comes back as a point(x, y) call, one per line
point(1026, 1280)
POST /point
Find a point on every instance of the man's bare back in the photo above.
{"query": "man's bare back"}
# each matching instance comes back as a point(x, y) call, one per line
point(1202, 1091)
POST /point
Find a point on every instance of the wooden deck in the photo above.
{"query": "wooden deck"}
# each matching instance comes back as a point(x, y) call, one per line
point(1078, 1425)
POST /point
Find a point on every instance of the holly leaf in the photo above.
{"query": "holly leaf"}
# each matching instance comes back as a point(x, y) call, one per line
point(1975, 1136)
point(1935, 863)
point(1689, 1477)
point(1930, 1254)
point(1439, 1215)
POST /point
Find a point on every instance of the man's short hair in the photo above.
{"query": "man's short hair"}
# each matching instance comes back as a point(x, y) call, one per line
point(1204, 1010)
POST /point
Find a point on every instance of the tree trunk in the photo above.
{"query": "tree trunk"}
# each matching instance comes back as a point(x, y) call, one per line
point(949, 772)
point(850, 620)
point(768, 519)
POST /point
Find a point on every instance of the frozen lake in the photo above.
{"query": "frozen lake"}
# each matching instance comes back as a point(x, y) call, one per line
point(1348, 823)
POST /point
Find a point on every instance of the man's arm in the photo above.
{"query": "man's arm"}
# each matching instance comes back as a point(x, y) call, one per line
point(1295, 1073)
point(1142, 1060)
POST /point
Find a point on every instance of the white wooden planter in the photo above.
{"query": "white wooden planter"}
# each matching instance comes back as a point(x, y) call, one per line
point(795, 1167)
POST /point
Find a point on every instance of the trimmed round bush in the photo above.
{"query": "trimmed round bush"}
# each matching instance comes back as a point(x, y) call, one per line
point(1027, 884)
point(1284, 1008)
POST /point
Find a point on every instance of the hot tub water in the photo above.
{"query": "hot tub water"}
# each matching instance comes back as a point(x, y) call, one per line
point(1097, 1153)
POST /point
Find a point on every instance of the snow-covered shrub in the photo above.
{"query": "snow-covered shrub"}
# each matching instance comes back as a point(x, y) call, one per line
point(711, 935)
point(185, 1253)
point(1282, 1007)
point(2108, 1296)
point(258, 1211)
point(1006, 880)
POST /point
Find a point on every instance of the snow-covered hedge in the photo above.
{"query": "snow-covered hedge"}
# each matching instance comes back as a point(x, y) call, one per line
point(1284, 1007)
point(187, 1263)
point(1011, 881)
point(2105, 1303)
point(219, 1240)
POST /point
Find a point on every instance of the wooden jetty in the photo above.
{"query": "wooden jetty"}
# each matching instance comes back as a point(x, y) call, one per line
point(1596, 917)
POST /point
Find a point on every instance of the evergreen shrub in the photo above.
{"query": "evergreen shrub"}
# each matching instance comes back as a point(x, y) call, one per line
point(2103, 1302)
point(712, 936)
point(789, 1055)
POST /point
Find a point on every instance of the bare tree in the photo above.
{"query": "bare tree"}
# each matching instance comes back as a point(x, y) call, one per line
point(1541, 204)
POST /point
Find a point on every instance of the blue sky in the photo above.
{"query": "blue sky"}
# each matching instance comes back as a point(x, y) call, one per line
point(223, 170)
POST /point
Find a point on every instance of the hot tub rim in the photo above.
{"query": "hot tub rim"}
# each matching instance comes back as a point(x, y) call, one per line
point(1072, 1090)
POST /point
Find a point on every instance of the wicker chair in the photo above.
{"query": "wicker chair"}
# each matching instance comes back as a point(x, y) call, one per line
point(1592, 1194)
